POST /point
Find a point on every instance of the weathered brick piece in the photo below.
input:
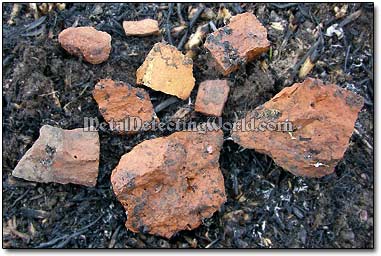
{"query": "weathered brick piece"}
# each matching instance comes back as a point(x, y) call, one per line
point(122, 105)
point(171, 183)
point(146, 27)
point(322, 118)
point(241, 41)
point(93, 45)
point(62, 156)
point(211, 97)
point(167, 70)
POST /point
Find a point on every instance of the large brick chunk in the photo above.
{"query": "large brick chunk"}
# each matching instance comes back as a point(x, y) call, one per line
point(144, 27)
point(211, 97)
point(124, 107)
point(93, 45)
point(241, 41)
point(322, 119)
point(167, 70)
point(170, 184)
point(62, 156)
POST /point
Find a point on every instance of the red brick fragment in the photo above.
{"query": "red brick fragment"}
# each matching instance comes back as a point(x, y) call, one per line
point(93, 45)
point(171, 183)
point(144, 27)
point(241, 41)
point(322, 119)
point(62, 156)
point(211, 97)
point(124, 107)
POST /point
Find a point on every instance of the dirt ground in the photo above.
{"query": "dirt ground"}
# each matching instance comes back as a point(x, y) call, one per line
point(266, 207)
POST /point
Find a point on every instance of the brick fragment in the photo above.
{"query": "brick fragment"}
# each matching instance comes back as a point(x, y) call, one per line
point(124, 107)
point(241, 41)
point(322, 119)
point(93, 45)
point(61, 156)
point(211, 97)
point(146, 27)
point(171, 183)
point(167, 70)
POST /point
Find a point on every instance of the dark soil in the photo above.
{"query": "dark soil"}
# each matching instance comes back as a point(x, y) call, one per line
point(266, 207)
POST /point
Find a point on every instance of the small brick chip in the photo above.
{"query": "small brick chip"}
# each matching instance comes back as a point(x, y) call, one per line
point(146, 27)
point(211, 97)
point(241, 41)
point(93, 45)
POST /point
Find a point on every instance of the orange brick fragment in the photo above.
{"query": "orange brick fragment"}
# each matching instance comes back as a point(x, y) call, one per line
point(211, 97)
point(322, 119)
point(244, 39)
point(124, 107)
point(172, 183)
point(167, 70)
point(93, 45)
point(144, 27)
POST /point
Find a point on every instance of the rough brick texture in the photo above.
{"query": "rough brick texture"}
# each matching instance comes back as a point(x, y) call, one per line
point(93, 45)
point(170, 184)
point(62, 156)
point(322, 118)
point(211, 97)
point(241, 41)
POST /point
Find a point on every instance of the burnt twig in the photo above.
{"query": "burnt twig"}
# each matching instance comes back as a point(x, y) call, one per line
point(182, 41)
point(191, 23)
point(364, 141)
point(28, 30)
point(237, 8)
point(196, 16)
point(307, 55)
point(114, 236)
point(68, 237)
point(235, 183)
point(165, 104)
point(212, 26)
point(350, 18)
point(283, 6)
point(170, 11)
point(35, 24)
point(292, 27)
point(306, 12)
point(32, 213)
point(182, 21)
point(309, 63)
point(212, 243)
point(19, 198)
point(346, 58)
point(284, 42)
point(197, 37)
point(120, 29)
point(35, 32)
